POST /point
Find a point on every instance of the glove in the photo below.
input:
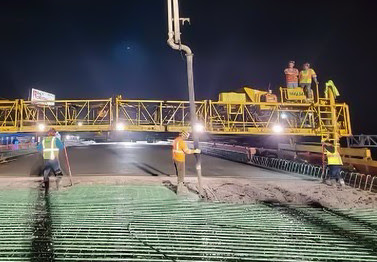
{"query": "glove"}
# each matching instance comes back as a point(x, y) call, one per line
point(197, 151)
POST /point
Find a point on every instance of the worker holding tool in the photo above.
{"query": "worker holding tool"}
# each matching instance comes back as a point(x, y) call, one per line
point(50, 147)
point(334, 163)
point(291, 75)
point(180, 150)
point(306, 76)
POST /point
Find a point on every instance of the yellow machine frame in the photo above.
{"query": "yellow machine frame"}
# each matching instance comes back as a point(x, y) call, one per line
point(324, 117)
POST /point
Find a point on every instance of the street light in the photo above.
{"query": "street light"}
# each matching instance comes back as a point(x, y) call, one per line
point(284, 116)
point(79, 123)
point(277, 129)
point(41, 127)
point(199, 128)
point(120, 126)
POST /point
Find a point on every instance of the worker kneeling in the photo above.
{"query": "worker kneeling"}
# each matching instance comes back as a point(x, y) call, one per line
point(180, 150)
point(49, 147)
point(334, 163)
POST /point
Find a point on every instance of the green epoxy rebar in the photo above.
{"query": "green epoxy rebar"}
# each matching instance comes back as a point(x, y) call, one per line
point(150, 223)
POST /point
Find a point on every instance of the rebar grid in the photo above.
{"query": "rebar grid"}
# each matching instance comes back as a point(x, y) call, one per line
point(150, 223)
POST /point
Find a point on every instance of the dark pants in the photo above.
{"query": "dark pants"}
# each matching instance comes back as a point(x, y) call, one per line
point(51, 165)
point(180, 170)
point(334, 171)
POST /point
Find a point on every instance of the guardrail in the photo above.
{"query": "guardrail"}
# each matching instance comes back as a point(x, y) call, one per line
point(247, 155)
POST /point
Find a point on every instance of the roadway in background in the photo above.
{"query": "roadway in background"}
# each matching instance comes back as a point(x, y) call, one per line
point(137, 159)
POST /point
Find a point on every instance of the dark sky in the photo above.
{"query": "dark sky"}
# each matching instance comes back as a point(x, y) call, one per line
point(97, 49)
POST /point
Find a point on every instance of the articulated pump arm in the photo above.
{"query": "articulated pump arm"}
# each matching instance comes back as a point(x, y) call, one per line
point(174, 41)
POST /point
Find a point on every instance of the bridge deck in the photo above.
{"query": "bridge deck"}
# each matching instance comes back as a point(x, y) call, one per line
point(150, 223)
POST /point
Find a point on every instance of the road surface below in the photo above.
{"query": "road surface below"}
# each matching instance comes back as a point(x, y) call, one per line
point(137, 159)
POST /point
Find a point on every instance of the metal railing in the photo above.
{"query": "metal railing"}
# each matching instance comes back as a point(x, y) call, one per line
point(243, 154)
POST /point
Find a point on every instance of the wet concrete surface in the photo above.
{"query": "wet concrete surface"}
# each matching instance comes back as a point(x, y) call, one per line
point(136, 159)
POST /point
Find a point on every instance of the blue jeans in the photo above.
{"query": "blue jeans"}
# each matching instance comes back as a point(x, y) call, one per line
point(292, 85)
point(334, 171)
point(308, 89)
point(51, 165)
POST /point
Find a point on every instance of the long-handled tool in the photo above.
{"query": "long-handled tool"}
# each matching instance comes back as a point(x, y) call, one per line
point(69, 166)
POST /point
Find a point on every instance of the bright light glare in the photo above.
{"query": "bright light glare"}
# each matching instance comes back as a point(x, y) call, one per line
point(67, 137)
point(79, 123)
point(120, 126)
point(284, 116)
point(199, 128)
point(41, 127)
point(277, 128)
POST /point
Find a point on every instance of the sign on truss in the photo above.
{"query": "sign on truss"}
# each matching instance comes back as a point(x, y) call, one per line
point(39, 96)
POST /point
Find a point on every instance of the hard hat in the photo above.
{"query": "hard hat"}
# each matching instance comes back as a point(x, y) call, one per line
point(51, 132)
point(184, 134)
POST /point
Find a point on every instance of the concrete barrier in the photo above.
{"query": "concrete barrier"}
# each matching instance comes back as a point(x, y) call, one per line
point(8, 152)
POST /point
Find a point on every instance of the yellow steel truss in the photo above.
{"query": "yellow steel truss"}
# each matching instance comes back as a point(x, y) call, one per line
point(323, 118)
point(66, 115)
point(9, 113)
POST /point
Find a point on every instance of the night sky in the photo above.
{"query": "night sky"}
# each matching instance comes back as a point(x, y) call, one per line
point(97, 49)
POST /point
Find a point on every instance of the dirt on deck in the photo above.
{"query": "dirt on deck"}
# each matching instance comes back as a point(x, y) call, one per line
point(232, 190)
point(311, 193)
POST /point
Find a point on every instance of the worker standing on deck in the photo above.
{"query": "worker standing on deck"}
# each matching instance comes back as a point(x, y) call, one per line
point(291, 75)
point(306, 76)
point(49, 147)
point(334, 163)
point(180, 150)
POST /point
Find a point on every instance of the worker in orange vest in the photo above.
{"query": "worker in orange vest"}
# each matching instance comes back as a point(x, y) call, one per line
point(180, 150)
point(291, 75)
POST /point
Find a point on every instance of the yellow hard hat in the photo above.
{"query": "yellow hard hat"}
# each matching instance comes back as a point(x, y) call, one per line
point(51, 132)
point(184, 133)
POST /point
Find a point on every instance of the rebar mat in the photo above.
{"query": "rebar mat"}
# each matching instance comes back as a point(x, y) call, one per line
point(150, 223)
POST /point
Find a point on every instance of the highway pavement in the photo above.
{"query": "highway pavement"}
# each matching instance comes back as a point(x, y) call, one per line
point(136, 159)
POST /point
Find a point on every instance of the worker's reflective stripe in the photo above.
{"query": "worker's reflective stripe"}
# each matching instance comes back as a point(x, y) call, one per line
point(49, 152)
point(334, 158)
point(178, 151)
point(307, 75)
point(176, 148)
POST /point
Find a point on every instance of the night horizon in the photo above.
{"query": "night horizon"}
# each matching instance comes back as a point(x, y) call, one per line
point(96, 49)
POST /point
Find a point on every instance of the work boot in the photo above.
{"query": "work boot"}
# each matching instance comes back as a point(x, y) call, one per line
point(58, 180)
point(332, 182)
point(181, 189)
point(341, 182)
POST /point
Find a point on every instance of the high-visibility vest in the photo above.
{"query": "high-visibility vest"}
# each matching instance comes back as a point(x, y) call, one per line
point(333, 158)
point(50, 150)
point(306, 76)
point(179, 147)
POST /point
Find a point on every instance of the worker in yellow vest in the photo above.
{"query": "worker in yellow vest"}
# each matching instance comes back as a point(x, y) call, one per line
point(334, 163)
point(50, 147)
point(305, 77)
point(180, 150)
